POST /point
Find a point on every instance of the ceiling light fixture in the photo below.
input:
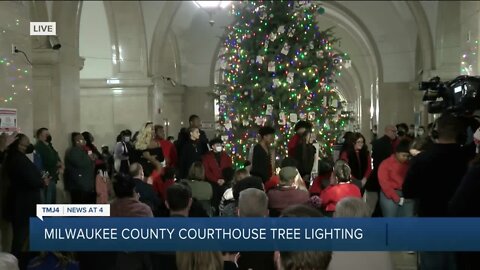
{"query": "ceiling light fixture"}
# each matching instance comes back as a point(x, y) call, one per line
point(212, 4)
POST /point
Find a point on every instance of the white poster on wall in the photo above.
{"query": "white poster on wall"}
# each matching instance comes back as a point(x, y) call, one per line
point(8, 120)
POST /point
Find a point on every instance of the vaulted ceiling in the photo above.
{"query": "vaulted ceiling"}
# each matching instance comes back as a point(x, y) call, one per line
point(380, 36)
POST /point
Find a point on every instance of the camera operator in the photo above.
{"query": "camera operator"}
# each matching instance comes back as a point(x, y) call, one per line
point(433, 178)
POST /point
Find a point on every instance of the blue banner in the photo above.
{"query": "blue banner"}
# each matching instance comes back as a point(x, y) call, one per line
point(254, 234)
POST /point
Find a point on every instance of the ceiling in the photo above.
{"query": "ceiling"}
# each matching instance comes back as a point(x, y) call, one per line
point(389, 22)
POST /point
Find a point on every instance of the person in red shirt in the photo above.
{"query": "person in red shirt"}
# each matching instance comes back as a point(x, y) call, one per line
point(391, 174)
point(169, 150)
point(342, 187)
point(358, 159)
point(300, 128)
point(322, 181)
point(215, 161)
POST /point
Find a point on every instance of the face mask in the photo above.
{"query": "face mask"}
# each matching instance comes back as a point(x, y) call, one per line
point(218, 149)
point(49, 139)
point(29, 149)
point(421, 132)
point(127, 139)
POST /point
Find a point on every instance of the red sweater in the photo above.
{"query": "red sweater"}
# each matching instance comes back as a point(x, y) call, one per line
point(316, 187)
point(391, 175)
point(292, 144)
point(169, 152)
point(334, 193)
point(273, 182)
point(213, 170)
point(368, 171)
point(159, 185)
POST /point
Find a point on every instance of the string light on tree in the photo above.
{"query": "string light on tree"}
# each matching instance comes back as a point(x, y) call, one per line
point(278, 67)
point(468, 61)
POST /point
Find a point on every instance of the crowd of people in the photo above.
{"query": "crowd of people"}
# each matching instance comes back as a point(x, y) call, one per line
point(427, 173)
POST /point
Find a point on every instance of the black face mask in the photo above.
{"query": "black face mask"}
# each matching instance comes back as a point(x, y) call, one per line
point(49, 139)
point(29, 149)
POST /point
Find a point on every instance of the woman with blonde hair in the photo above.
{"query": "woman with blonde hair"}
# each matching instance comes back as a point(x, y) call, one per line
point(201, 189)
point(147, 148)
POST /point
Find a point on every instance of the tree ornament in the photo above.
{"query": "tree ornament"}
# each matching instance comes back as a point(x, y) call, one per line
point(245, 123)
point(293, 117)
point(303, 116)
point(259, 59)
point(290, 77)
point(311, 46)
point(273, 36)
point(291, 32)
point(266, 44)
point(282, 119)
point(311, 116)
point(281, 29)
point(285, 49)
point(271, 66)
point(347, 63)
point(270, 98)
point(269, 110)
point(228, 124)
point(276, 83)
point(320, 54)
point(259, 120)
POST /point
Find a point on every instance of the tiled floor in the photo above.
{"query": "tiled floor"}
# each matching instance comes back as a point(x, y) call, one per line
point(404, 261)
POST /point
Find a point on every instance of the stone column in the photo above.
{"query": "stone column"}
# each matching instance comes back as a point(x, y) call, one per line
point(55, 100)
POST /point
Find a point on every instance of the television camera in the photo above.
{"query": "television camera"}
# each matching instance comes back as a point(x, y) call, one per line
point(459, 96)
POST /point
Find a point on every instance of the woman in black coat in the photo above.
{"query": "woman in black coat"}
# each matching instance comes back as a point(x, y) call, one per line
point(305, 155)
point(262, 159)
point(25, 186)
point(191, 152)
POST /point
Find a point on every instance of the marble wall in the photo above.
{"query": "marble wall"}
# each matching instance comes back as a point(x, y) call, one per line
point(106, 110)
point(16, 89)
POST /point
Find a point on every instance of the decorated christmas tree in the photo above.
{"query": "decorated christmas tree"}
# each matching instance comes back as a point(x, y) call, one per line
point(278, 68)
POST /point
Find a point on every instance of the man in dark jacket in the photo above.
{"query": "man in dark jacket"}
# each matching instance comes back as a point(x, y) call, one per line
point(381, 150)
point(50, 161)
point(433, 178)
point(184, 136)
point(79, 172)
point(147, 194)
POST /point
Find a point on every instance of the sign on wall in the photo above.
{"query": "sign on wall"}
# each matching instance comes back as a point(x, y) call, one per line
point(8, 120)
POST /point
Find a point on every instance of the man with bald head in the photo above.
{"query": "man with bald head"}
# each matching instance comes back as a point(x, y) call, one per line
point(381, 150)
point(253, 203)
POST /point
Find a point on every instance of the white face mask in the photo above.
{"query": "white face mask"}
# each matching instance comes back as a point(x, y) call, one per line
point(127, 139)
point(420, 132)
point(218, 149)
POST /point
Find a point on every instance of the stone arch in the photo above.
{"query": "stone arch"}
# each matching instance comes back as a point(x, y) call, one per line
point(425, 38)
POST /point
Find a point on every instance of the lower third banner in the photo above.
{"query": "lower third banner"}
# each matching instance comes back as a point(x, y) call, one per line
point(254, 234)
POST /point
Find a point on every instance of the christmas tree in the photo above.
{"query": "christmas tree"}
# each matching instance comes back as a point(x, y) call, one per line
point(278, 68)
